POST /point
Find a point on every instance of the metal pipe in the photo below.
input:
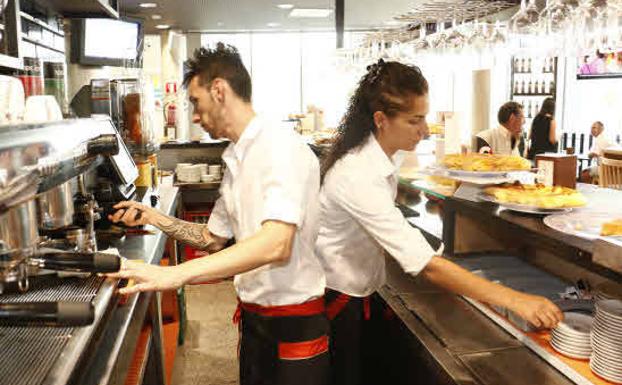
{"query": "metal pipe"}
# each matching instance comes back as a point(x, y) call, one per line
point(339, 21)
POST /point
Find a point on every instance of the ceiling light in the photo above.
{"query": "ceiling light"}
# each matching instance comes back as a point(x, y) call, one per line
point(272, 25)
point(285, 6)
point(147, 5)
point(220, 24)
point(163, 26)
point(156, 17)
point(310, 12)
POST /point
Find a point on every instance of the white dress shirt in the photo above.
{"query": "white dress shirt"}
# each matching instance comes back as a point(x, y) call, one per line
point(601, 143)
point(272, 175)
point(359, 221)
point(500, 141)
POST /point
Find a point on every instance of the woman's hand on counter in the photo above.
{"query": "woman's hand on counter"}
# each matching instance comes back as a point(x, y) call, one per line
point(539, 311)
point(133, 214)
point(148, 277)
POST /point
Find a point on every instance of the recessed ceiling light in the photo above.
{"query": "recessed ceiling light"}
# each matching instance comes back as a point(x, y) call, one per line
point(272, 25)
point(220, 24)
point(163, 26)
point(285, 6)
point(310, 12)
point(147, 5)
point(156, 17)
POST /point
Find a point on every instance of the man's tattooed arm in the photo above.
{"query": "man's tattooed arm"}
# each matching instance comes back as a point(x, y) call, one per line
point(194, 234)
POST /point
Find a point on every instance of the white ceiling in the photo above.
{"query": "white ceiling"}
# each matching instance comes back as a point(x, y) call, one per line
point(245, 15)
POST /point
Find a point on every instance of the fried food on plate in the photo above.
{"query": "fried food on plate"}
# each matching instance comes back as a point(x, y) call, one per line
point(537, 195)
point(613, 227)
point(485, 162)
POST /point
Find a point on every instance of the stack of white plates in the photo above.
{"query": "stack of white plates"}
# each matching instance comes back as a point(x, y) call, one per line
point(571, 337)
point(188, 173)
point(606, 361)
point(607, 291)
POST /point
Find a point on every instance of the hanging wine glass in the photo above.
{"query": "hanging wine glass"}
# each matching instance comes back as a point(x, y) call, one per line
point(455, 39)
point(441, 41)
point(497, 37)
point(422, 43)
point(521, 21)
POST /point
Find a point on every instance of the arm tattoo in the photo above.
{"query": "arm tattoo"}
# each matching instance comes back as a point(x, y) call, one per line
point(194, 234)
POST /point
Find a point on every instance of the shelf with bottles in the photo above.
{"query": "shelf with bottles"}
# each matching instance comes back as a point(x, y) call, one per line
point(530, 108)
point(528, 65)
point(538, 87)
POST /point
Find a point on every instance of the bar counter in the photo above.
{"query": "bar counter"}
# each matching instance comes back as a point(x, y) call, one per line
point(102, 352)
point(439, 338)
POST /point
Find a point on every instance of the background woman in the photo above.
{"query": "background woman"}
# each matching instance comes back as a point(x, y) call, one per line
point(543, 134)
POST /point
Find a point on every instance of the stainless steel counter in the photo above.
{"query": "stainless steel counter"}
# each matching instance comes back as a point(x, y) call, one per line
point(454, 342)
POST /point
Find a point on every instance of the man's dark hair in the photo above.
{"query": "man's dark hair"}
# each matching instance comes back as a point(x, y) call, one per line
point(508, 109)
point(221, 62)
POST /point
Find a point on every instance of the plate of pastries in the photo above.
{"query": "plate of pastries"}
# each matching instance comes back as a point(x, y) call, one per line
point(534, 198)
point(483, 165)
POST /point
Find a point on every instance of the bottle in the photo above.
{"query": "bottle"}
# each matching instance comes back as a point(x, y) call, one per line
point(517, 65)
point(516, 87)
point(529, 109)
point(522, 87)
point(536, 109)
point(530, 87)
point(528, 65)
point(170, 112)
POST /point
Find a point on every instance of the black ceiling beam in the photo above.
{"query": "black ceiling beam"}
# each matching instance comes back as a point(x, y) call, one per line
point(339, 17)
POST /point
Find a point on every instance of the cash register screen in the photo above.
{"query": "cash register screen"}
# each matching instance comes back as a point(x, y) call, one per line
point(124, 164)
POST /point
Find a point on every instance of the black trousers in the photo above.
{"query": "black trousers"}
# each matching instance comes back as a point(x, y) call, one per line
point(353, 341)
point(284, 350)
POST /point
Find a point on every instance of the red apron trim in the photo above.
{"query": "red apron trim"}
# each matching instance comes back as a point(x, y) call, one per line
point(366, 308)
point(335, 307)
point(303, 350)
point(312, 307)
point(339, 303)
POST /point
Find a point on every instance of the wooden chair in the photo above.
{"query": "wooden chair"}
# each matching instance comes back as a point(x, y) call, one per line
point(610, 173)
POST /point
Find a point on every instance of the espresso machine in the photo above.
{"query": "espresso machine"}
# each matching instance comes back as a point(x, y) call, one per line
point(49, 179)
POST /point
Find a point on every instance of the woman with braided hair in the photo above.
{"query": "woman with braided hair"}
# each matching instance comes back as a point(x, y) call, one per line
point(359, 221)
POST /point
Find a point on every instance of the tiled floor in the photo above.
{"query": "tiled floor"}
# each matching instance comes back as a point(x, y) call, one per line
point(209, 355)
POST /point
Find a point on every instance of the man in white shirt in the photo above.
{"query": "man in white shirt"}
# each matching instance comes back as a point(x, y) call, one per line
point(601, 143)
point(269, 205)
point(505, 138)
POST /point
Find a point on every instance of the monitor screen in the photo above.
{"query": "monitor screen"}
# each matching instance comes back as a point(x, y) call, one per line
point(107, 42)
point(99, 35)
point(600, 64)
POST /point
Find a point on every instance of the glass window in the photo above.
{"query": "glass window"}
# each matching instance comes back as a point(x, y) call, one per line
point(276, 74)
point(241, 41)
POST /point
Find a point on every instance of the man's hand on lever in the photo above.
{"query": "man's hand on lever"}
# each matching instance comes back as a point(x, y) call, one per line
point(133, 214)
point(148, 277)
point(194, 234)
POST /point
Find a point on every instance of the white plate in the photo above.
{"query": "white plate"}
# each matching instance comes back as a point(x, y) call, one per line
point(524, 208)
point(581, 224)
point(572, 339)
point(609, 377)
point(607, 327)
point(579, 356)
point(607, 366)
point(611, 308)
point(478, 174)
